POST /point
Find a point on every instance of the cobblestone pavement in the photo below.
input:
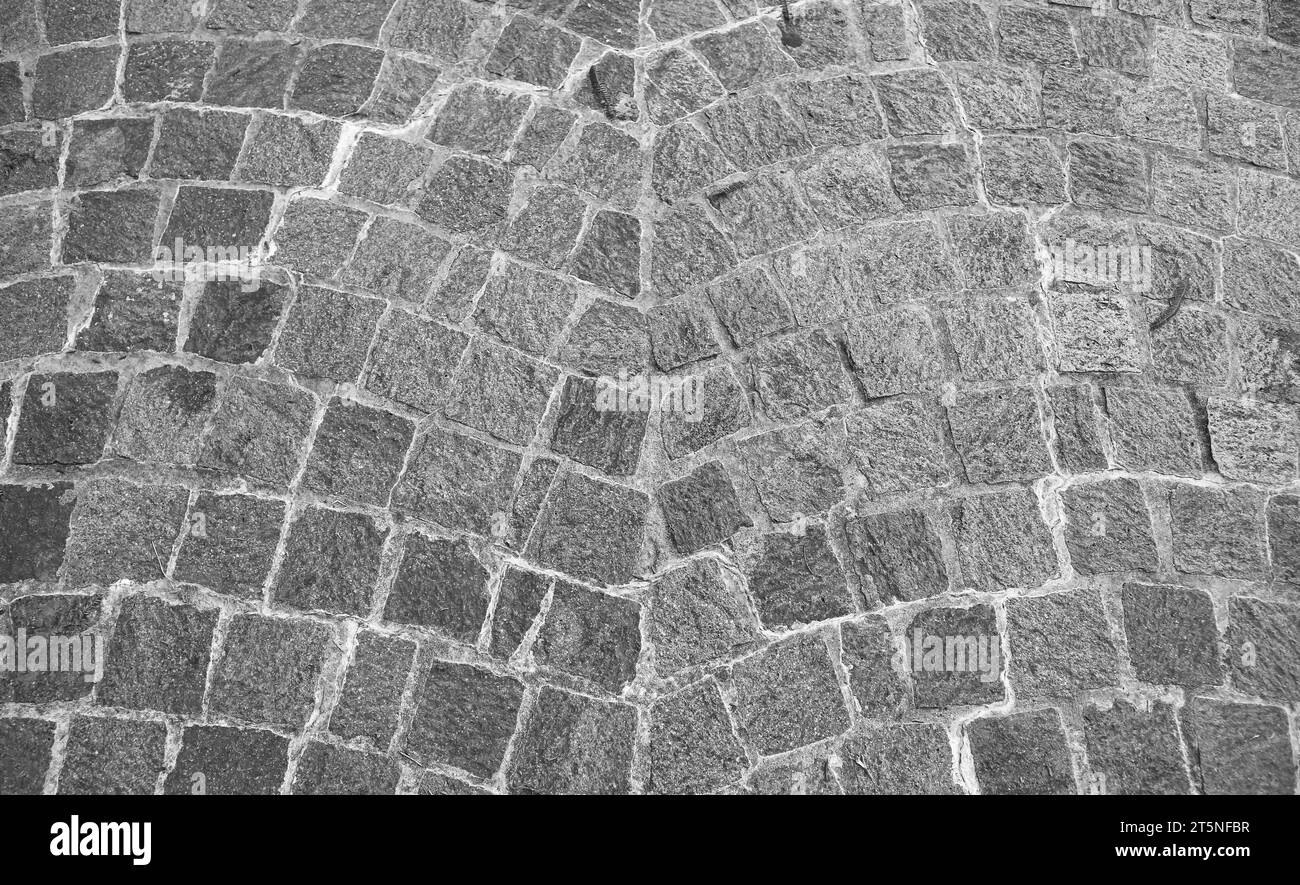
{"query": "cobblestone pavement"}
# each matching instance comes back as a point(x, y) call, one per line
point(360, 523)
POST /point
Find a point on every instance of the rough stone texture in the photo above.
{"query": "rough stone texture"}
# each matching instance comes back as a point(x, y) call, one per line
point(1060, 644)
point(907, 759)
point(787, 695)
point(1136, 749)
point(464, 717)
point(331, 562)
point(591, 635)
point(1171, 635)
point(230, 543)
point(573, 744)
point(232, 761)
point(269, 670)
point(692, 746)
point(384, 444)
point(696, 615)
point(441, 585)
point(1021, 754)
point(112, 757)
point(158, 658)
point(797, 580)
point(372, 694)
point(1108, 528)
point(1239, 749)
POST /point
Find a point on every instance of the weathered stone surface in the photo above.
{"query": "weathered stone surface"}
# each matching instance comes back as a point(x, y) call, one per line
point(1283, 535)
point(316, 238)
point(701, 508)
point(68, 419)
point(327, 334)
point(905, 759)
point(681, 332)
point(571, 744)
point(1022, 171)
point(105, 151)
point(384, 170)
point(1121, 44)
point(25, 755)
point(1094, 333)
point(230, 543)
point(269, 670)
point(692, 747)
point(63, 615)
point(999, 436)
point(413, 361)
point(800, 774)
point(251, 73)
point(372, 692)
point(917, 101)
point(133, 312)
point(479, 119)
point(328, 770)
point(198, 144)
point(158, 657)
point(546, 228)
point(1254, 441)
point(787, 695)
point(456, 481)
point(258, 431)
point(590, 432)
point(1218, 531)
point(1172, 638)
point(743, 56)
point(796, 471)
point(1238, 749)
point(73, 81)
point(955, 30)
point(1136, 749)
point(519, 601)
point(798, 376)
point(1267, 73)
point(894, 352)
point(696, 614)
point(33, 531)
point(163, 414)
point(440, 584)
point(1153, 430)
point(1060, 644)
point(590, 529)
point(591, 635)
point(534, 52)
point(112, 757)
point(330, 563)
point(232, 761)
point(1002, 540)
point(898, 446)
point(1262, 646)
point(954, 656)
point(466, 195)
point(609, 253)
point(1108, 527)
point(111, 227)
point(796, 579)
point(1023, 754)
point(501, 392)
point(396, 260)
point(464, 716)
point(895, 556)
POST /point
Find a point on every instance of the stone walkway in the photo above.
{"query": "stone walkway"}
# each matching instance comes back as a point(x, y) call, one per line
point(981, 322)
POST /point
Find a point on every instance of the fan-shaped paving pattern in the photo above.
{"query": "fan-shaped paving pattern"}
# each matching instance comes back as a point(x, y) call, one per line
point(358, 524)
